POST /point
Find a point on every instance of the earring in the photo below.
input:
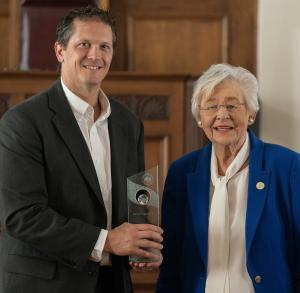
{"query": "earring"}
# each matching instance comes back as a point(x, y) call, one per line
point(251, 120)
point(200, 123)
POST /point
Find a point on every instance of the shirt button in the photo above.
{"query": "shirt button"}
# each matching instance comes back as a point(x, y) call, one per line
point(92, 273)
point(258, 279)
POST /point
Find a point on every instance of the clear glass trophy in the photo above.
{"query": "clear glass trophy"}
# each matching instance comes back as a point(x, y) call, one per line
point(143, 201)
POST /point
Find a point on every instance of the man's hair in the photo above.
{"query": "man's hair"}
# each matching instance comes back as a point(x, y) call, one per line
point(65, 28)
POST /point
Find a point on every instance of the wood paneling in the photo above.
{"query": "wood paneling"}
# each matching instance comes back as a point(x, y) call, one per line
point(56, 3)
point(14, 34)
point(119, 11)
point(4, 8)
point(4, 40)
point(176, 8)
point(161, 35)
point(185, 36)
point(188, 50)
point(4, 33)
point(243, 33)
point(170, 86)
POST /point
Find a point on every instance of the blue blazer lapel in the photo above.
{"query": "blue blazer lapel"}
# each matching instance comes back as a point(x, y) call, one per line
point(257, 189)
point(198, 184)
point(70, 133)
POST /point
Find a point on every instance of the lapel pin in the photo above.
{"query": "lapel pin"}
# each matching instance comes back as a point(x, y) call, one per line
point(260, 185)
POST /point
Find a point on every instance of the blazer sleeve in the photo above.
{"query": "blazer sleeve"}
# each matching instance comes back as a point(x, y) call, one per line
point(24, 209)
point(295, 195)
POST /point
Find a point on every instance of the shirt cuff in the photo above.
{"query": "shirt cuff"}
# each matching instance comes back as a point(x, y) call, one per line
point(96, 254)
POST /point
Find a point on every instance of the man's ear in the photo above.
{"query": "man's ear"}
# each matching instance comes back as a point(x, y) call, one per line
point(58, 48)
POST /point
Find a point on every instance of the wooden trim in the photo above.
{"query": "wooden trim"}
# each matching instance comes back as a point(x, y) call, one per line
point(125, 75)
point(14, 34)
point(177, 8)
point(54, 3)
point(179, 130)
point(243, 33)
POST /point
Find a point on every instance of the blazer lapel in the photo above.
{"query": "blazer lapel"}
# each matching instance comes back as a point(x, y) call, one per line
point(257, 189)
point(70, 133)
point(198, 201)
point(119, 151)
point(198, 195)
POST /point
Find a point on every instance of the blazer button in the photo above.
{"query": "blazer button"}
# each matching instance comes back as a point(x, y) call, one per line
point(258, 279)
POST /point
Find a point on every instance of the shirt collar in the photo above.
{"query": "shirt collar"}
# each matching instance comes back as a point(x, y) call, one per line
point(82, 108)
point(235, 165)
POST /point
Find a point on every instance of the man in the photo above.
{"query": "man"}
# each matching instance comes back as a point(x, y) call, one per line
point(65, 155)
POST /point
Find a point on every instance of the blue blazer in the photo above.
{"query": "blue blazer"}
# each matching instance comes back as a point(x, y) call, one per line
point(272, 228)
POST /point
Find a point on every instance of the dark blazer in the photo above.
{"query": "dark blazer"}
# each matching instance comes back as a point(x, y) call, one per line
point(50, 200)
point(272, 228)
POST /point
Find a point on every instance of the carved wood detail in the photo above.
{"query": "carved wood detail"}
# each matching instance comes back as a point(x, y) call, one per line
point(56, 2)
point(146, 107)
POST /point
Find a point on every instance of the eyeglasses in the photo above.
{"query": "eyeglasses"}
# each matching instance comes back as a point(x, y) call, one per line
point(215, 108)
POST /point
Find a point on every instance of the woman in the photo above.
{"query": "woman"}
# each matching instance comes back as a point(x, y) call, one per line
point(231, 210)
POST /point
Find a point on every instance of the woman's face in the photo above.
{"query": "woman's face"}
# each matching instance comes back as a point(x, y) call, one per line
point(224, 116)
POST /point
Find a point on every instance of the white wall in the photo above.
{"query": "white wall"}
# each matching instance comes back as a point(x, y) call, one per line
point(278, 71)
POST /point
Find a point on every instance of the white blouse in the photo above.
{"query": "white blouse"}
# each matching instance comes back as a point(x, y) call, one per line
point(234, 269)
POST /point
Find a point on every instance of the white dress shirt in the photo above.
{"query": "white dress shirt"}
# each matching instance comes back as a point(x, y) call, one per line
point(237, 278)
point(96, 137)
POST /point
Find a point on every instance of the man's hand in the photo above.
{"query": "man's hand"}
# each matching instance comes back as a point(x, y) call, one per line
point(141, 240)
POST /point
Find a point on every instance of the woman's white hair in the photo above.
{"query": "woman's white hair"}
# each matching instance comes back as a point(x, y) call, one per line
point(215, 75)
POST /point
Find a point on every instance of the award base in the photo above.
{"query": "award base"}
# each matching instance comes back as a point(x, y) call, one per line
point(141, 259)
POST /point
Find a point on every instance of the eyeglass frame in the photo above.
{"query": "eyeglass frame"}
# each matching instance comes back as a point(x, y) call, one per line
point(215, 108)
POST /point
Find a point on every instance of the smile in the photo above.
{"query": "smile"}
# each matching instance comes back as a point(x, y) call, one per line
point(223, 128)
point(90, 67)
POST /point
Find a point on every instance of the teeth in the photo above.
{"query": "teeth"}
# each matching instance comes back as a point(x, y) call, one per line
point(91, 67)
point(223, 128)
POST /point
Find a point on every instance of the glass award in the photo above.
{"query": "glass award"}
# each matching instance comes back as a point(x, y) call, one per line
point(143, 201)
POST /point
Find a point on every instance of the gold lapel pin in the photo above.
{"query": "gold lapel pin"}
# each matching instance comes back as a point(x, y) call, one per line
point(260, 185)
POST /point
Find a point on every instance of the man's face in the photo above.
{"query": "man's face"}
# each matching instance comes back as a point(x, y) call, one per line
point(88, 55)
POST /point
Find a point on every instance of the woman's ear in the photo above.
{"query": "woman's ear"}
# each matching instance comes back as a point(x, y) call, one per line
point(251, 118)
point(200, 123)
